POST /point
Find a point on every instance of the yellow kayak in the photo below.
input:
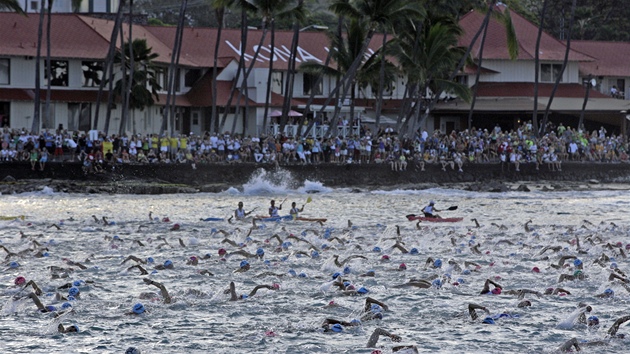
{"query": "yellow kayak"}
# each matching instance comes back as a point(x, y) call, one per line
point(21, 217)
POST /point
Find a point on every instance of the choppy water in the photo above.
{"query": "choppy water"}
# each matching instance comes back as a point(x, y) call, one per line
point(435, 320)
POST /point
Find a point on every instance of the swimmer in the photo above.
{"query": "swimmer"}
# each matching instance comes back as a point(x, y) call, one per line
point(557, 291)
point(381, 332)
point(243, 267)
point(611, 334)
point(69, 329)
point(342, 263)
point(234, 297)
point(486, 288)
point(140, 268)
point(135, 259)
point(165, 295)
point(168, 264)
point(577, 275)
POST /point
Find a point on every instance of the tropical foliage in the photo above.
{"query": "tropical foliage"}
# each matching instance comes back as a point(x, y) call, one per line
point(144, 85)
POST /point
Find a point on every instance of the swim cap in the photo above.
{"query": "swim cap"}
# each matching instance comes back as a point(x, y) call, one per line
point(73, 291)
point(324, 246)
point(613, 265)
point(378, 316)
point(628, 246)
point(577, 273)
point(213, 230)
point(150, 260)
point(385, 257)
point(593, 320)
point(375, 308)
point(71, 298)
point(376, 249)
point(461, 280)
point(336, 328)
point(138, 308)
point(402, 266)
point(222, 251)
point(356, 322)
point(432, 202)
point(437, 263)
point(413, 251)
point(168, 263)
point(370, 273)
point(496, 291)
point(14, 264)
point(260, 252)
point(577, 262)
point(488, 320)
point(267, 262)
point(65, 305)
point(132, 350)
point(284, 258)
point(19, 280)
point(302, 275)
point(609, 292)
point(292, 272)
point(286, 244)
point(466, 272)
point(270, 333)
point(77, 282)
point(244, 263)
point(362, 290)
point(275, 286)
point(437, 283)
point(346, 270)
point(51, 308)
point(46, 254)
point(346, 283)
point(314, 254)
point(244, 296)
point(350, 287)
point(335, 275)
point(116, 237)
point(536, 270)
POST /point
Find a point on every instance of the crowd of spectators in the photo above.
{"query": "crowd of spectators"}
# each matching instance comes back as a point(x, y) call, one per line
point(454, 150)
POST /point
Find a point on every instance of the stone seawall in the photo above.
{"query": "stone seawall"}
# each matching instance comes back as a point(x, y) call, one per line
point(162, 178)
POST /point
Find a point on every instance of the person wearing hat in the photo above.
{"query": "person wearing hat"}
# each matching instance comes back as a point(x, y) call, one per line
point(612, 334)
point(234, 297)
point(165, 295)
point(429, 210)
point(240, 213)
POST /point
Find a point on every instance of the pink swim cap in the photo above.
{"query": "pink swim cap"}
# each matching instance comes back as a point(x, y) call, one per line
point(270, 333)
point(166, 219)
point(402, 266)
point(276, 286)
point(536, 270)
point(496, 291)
point(385, 257)
point(19, 281)
point(222, 251)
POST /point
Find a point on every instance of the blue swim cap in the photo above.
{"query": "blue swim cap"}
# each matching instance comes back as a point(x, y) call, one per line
point(335, 275)
point(378, 316)
point(577, 262)
point(346, 283)
point(260, 252)
point(267, 262)
point(370, 272)
point(168, 263)
point(154, 271)
point(356, 322)
point(303, 233)
point(488, 320)
point(73, 291)
point(336, 328)
point(437, 283)
point(314, 254)
point(612, 259)
point(324, 246)
point(138, 308)
point(51, 308)
point(116, 237)
point(437, 263)
point(298, 255)
point(284, 258)
point(292, 272)
point(244, 296)
point(77, 282)
point(460, 280)
point(376, 249)
point(71, 298)
point(65, 305)
point(363, 290)
point(302, 275)
point(248, 239)
point(613, 265)
point(593, 320)
point(132, 350)
point(14, 264)
point(150, 260)
point(346, 270)
point(286, 244)
point(376, 308)
point(244, 263)
point(213, 230)
point(447, 275)
point(46, 254)
point(466, 272)
point(609, 292)
point(413, 251)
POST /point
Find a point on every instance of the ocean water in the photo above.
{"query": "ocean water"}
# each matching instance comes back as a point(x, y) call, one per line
point(201, 318)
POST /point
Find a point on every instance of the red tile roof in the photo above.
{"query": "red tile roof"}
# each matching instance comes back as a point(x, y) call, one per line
point(526, 32)
point(14, 94)
point(613, 58)
point(526, 89)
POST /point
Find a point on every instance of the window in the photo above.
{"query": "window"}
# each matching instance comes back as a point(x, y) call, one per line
point(5, 72)
point(550, 72)
point(277, 82)
point(5, 119)
point(34, 5)
point(58, 73)
point(309, 86)
point(192, 76)
point(92, 73)
point(161, 77)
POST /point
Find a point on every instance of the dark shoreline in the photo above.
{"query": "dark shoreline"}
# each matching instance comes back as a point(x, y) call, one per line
point(177, 178)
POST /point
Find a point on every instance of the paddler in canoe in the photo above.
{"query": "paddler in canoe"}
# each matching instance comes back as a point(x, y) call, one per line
point(430, 211)
point(295, 212)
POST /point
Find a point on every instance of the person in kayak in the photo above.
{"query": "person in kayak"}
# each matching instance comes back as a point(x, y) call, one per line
point(273, 209)
point(240, 213)
point(295, 210)
point(429, 210)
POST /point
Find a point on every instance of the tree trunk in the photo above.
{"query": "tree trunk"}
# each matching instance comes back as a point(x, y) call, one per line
point(220, 13)
point(312, 97)
point(241, 66)
point(477, 75)
point(40, 30)
point(268, 92)
point(288, 91)
point(48, 69)
point(381, 81)
point(108, 68)
point(587, 87)
point(132, 69)
point(123, 83)
point(537, 69)
point(543, 126)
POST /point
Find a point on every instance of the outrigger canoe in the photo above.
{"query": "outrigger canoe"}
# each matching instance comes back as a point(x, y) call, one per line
point(423, 218)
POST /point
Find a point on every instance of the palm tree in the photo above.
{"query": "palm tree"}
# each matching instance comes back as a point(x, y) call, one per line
point(132, 67)
point(144, 86)
point(12, 5)
point(537, 67)
point(40, 29)
point(219, 10)
point(376, 13)
point(48, 68)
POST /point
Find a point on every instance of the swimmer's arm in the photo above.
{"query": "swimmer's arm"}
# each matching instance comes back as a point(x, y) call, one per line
point(528, 291)
point(181, 243)
point(615, 327)
point(37, 302)
point(473, 307)
point(38, 291)
point(468, 264)
point(165, 295)
point(368, 304)
point(135, 259)
point(401, 248)
point(428, 262)
point(232, 291)
point(569, 344)
point(377, 333)
point(243, 253)
point(564, 258)
point(232, 243)
point(258, 287)
point(558, 290)
point(142, 270)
